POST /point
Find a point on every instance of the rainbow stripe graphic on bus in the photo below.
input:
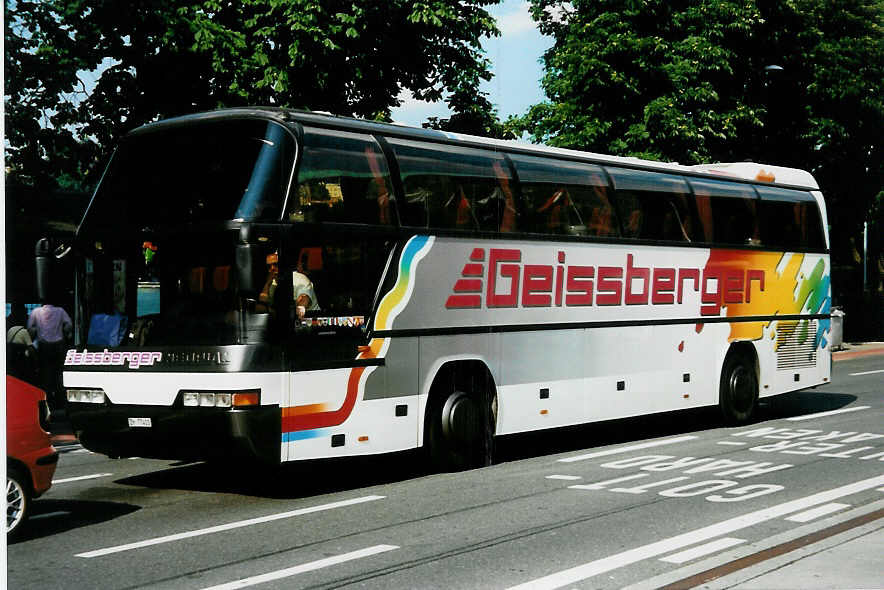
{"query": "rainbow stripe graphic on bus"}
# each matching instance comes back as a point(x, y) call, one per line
point(789, 289)
point(307, 421)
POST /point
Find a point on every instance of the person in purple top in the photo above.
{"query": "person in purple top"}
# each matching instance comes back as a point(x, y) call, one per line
point(50, 328)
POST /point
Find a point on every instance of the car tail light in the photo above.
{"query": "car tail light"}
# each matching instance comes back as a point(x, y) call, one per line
point(43, 414)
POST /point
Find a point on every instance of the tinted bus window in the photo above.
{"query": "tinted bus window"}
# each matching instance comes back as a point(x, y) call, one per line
point(562, 197)
point(790, 219)
point(451, 187)
point(343, 177)
point(212, 171)
point(728, 211)
point(654, 206)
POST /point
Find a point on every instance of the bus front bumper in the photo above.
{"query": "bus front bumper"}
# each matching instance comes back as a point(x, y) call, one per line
point(186, 433)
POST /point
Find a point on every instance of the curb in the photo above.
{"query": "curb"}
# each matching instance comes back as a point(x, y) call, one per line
point(63, 440)
point(844, 355)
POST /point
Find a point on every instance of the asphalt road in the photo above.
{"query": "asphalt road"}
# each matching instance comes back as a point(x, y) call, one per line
point(646, 502)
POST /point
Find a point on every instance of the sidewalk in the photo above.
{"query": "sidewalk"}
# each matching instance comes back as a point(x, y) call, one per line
point(856, 563)
point(852, 350)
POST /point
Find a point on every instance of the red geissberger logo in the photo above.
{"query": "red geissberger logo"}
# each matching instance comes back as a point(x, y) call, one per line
point(547, 285)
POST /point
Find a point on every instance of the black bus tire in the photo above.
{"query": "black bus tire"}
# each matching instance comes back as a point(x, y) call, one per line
point(460, 430)
point(738, 390)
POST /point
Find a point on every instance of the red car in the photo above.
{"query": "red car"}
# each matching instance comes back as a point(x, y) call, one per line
point(30, 456)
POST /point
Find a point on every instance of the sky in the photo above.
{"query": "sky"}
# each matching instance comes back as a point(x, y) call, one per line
point(515, 58)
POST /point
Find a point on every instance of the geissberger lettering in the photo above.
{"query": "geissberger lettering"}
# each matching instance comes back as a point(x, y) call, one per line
point(508, 282)
point(105, 358)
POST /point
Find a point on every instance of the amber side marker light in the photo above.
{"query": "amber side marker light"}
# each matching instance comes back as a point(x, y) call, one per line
point(765, 176)
point(246, 399)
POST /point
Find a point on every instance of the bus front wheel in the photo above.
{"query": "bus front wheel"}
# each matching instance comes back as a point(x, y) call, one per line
point(460, 429)
point(738, 391)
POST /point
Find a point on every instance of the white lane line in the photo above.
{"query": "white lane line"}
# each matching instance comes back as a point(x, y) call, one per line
point(600, 485)
point(647, 445)
point(618, 560)
point(815, 513)
point(49, 515)
point(830, 413)
point(732, 443)
point(81, 478)
point(866, 373)
point(565, 477)
point(227, 527)
point(695, 552)
point(304, 567)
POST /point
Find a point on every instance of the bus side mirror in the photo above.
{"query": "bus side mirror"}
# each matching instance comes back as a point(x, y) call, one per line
point(250, 269)
point(47, 262)
point(43, 261)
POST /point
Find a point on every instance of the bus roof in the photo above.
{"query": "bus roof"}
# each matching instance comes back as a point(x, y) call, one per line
point(743, 171)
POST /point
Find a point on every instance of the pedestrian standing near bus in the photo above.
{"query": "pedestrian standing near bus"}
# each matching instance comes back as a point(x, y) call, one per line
point(50, 328)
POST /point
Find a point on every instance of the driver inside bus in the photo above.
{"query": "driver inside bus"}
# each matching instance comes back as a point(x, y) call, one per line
point(302, 287)
point(303, 292)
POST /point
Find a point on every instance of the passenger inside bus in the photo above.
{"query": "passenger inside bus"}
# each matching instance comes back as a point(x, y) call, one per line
point(558, 215)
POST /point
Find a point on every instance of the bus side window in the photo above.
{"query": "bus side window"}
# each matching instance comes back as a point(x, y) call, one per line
point(563, 197)
point(451, 187)
point(790, 219)
point(654, 206)
point(727, 211)
point(630, 210)
point(343, 177)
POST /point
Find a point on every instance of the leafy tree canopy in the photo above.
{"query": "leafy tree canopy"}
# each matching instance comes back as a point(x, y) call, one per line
point(792, 82)
point(160, 58)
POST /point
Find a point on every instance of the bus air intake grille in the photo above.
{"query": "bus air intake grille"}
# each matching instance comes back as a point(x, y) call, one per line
point(796, 345)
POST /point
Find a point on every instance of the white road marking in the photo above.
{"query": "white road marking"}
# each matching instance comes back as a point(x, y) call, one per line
point(732, 443)
point(304, 567)
point(866, 373)
point(600, 485)
point(227, 527)
point(81, 478)
point(830, 413)
point(814, 513)
point(618, 560)
point(49, 515)
point(647, 445)
point(700, 551)
point(565, 477)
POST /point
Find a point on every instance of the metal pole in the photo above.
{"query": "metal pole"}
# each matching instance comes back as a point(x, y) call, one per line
point(865, 256)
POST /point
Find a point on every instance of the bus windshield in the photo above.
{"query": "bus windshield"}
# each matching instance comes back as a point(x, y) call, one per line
point(211, 171)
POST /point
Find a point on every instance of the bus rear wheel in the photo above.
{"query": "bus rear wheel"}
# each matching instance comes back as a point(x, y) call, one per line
point(738, 390)
point(460, 429)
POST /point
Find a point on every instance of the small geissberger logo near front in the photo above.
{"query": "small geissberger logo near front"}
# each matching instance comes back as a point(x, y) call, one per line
point(105, 358)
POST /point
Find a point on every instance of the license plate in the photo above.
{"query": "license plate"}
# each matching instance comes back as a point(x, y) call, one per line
point(139, 423)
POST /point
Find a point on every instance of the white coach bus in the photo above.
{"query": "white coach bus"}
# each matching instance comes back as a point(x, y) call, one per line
point(284, 285)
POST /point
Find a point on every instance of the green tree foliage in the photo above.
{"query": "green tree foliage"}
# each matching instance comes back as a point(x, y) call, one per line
point(160, 58)
point(475, 115)
point(694, 81)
